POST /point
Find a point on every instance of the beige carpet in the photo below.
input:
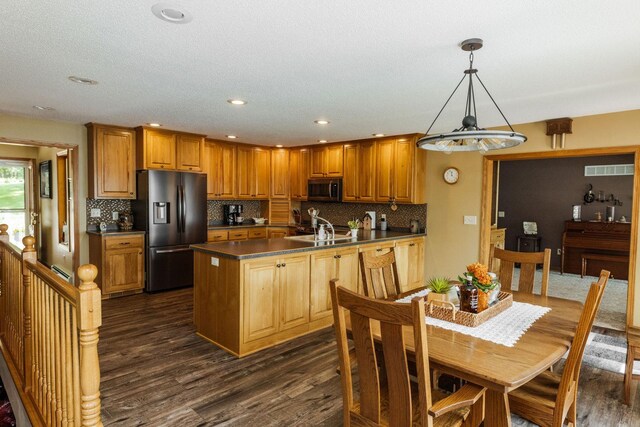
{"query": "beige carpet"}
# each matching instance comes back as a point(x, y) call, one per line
point(613, 308)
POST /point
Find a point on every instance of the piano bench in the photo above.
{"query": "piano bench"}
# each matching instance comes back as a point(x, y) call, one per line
point(600, 257)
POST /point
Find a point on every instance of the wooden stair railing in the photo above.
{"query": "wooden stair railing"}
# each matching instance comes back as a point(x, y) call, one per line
point(49, 337)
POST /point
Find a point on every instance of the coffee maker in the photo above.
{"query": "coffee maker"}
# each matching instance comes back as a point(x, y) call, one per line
point(231, 212)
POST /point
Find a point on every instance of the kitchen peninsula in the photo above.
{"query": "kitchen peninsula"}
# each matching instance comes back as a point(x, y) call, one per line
point(254, 294)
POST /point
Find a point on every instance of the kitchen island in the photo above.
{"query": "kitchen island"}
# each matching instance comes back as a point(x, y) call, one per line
point(254, 294)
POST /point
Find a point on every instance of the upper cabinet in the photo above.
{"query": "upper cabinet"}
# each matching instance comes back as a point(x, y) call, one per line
point(401, 171)
point(219, 163)
point(165, 149)
point(326, 161)
point(299, 173)
point(280, 173)
point(359, 172)
point(111, 154)
point(253, 172)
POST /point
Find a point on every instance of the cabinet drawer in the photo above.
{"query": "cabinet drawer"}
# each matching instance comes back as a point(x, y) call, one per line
point(258, 233)
point(378, 247)
point(217, 235)
point(123, 242)
point(238, 235)
point(497, 236)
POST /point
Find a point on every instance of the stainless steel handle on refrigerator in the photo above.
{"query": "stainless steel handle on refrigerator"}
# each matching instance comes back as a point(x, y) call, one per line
point(184, 210)
point(178, 209)
point(170, 251)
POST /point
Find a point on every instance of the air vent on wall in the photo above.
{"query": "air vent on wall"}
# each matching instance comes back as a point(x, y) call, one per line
point(62, 273)
point(608, 170)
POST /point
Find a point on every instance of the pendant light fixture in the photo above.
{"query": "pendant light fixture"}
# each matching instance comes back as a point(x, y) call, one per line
point(470, 137)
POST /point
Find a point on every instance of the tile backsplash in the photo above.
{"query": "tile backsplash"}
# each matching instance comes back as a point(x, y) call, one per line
point(250, 209)
point(107, 207)
point(340, 213)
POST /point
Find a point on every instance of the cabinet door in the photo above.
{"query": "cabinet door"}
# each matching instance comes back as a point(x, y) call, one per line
point(280, 173)
point(160, 149)
point(210, 167)
point(189, 152)
point(403, 171)
point(303, 175)
point(323, 269)
point(275, 233)
point(245, 172)
point(113, 168)
point(227, 171)
point(384, 168)
point(261, 170)
point(123, 269)
point(351, 173)
point(347, 268)
point(333, 162)
point(410, 263)
point(299, 172)
point(366, 171)
point(317, 162)
point(260, 299)
point(294, 291)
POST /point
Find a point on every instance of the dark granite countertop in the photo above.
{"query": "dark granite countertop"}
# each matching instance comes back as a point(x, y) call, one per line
point(244, 225)
point(246, 249)
point(114, 232)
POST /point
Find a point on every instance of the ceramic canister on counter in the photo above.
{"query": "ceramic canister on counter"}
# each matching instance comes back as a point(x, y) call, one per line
point(415, 226)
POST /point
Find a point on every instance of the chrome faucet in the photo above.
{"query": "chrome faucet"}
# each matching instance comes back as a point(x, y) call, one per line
point(313, 212)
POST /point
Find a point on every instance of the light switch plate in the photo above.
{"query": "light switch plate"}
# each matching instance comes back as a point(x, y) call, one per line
point(470, 220)
point(115, 216)
point(95, 213)
point(500, 214)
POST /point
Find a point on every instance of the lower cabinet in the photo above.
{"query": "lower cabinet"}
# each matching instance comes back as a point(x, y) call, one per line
point(120, 262)
point(326, 265)
point(410, 263)
point(276, 232)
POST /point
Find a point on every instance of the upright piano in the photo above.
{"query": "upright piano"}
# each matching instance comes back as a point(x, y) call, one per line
point(608, 238)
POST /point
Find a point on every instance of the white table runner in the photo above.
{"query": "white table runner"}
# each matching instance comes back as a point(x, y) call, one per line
point(505, 329)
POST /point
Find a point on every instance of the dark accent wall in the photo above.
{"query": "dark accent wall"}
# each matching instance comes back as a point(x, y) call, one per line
point(545, 191)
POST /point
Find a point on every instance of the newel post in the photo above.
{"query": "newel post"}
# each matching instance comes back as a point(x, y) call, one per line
point(29, 255)
point(89, 320)
point(4, 236)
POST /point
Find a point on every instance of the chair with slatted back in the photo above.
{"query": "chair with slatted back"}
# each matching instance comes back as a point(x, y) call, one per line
point(550, 398)
point(379, 274)
point(390, 397)
point(528, 263)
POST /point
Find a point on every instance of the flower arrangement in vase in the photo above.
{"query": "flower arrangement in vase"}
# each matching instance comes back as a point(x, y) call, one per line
point(353, 227)
point(477, 287)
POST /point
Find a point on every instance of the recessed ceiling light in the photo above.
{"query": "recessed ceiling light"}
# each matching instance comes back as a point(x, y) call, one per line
point(41, 108)
point(82, 80)
point(155, 125)
point(279, 146)
point(171, 13)
point(378, 135)
point(231, 136)
point(322, 141)
point(236, 101)
point(321, 122)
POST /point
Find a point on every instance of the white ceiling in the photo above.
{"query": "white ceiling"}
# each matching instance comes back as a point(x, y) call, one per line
point(367, 66)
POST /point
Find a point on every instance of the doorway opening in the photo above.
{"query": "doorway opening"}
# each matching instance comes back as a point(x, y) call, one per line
point(16, 198)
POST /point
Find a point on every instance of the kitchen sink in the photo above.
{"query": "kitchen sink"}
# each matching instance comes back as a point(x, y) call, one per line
point(312, 239)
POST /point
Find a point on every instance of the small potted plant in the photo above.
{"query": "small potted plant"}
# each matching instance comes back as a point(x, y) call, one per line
point(439, 287)
point(353, 227)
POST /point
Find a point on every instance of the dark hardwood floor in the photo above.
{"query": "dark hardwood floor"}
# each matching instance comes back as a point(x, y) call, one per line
point(157, 372)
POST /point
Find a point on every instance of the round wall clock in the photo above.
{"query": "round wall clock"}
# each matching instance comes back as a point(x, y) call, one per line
point(451, 175)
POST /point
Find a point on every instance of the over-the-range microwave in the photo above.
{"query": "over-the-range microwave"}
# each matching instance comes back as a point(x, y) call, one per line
point(325, 190)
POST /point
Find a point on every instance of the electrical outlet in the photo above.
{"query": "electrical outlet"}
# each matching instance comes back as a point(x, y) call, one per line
point(95, 213)
point(500, 214)
point(470, 220)
point(216, 262)
point(559, 251)
point(115, 216)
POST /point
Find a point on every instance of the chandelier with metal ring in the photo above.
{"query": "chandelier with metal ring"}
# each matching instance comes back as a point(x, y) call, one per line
point(469, 137)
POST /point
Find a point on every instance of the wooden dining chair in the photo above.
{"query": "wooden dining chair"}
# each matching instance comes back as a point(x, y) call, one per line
point(391, 398)
point(379, 274)
point(528, 263)
point(550, 398)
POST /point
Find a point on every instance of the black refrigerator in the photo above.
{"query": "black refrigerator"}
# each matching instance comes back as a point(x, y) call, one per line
point(172, 209)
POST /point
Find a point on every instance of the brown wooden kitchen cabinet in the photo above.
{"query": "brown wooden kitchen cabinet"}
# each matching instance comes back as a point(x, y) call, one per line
point(326, 161)
point(217, 235)
point(401, 171)
point(120, 261)
point(165, 149)
point(280, 173)
point(359, 172)
point(112, 167)
point(253, 172)
point(409, 255)
point(220, 166)
point(299, 173)
point(277, 232)
point(496, 240)
point(326, 265)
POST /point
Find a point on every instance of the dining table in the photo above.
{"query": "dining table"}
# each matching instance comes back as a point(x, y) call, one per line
point(497, 367)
